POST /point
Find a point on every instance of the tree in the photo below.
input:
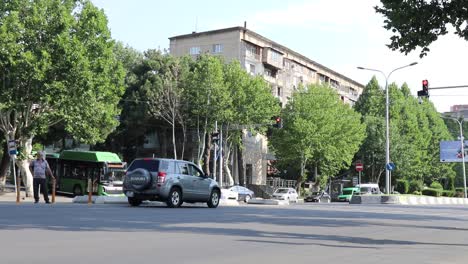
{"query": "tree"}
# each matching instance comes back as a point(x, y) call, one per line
point(318, 130)
point(415, 132)
point(210, 101)
point(371, 105)
point(418, 23)
point(58, 67)
point(165, 93)
point(253, 105)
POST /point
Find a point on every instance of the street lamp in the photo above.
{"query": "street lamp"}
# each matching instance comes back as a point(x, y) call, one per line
point(387, 121)
point(462, 141)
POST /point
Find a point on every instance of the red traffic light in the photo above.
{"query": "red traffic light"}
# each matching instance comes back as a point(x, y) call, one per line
point(278, 119)
point(425, 83)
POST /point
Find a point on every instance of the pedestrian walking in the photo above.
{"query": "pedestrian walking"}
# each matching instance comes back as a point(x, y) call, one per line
point(40, 168)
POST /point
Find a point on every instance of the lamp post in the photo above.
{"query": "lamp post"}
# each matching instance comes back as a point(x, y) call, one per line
point(387, 121)
point(462, 141)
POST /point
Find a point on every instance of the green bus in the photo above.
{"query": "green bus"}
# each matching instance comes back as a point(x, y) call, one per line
point(73, 169)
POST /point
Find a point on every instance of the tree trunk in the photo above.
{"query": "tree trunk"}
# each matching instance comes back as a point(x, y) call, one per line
point(174, 139)
point(207, 154)
point(226, 163)
point(240, 164)
point(4, 165)
point(24, 166)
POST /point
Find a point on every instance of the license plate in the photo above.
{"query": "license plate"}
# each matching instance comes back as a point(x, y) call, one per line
point(129, 194)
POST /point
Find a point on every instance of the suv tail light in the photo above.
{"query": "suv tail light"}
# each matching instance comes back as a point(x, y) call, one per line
point(161, 177)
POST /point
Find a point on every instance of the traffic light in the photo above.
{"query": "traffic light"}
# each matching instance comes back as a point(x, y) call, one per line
point(215, 137)
point(278, 122)
point(425, 89)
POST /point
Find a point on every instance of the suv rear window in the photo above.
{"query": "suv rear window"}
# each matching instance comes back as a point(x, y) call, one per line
point(147, 164)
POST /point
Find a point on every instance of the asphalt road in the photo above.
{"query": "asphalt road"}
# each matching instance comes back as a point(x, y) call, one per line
point(309, 233)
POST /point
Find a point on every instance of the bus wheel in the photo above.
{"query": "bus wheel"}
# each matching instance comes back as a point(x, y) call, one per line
point(77, 191)
point(134, 201)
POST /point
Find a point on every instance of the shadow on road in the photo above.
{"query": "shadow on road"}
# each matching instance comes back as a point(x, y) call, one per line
point(248, 222)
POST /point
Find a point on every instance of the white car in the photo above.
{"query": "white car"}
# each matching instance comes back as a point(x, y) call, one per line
point(287, 194)
point(229, 194)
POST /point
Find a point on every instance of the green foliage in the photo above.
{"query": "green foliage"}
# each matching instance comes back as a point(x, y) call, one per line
point(318, 130)
point(58, 55)
point(402, 186)
point(436, 185)
point(415, 133)
point(447, 193)
point(432, 192)
point(415, 186)
point(419, 23)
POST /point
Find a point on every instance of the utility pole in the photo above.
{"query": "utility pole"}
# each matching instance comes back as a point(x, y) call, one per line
point(221, 157)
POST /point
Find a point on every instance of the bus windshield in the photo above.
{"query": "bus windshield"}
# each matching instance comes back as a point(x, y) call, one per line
point(113, 175)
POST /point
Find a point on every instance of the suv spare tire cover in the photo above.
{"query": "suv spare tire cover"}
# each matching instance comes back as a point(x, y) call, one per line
point(139, 179)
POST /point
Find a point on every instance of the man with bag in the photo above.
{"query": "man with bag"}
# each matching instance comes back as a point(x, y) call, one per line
point(40, 168)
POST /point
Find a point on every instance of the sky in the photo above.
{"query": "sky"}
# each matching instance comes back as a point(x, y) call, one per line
point(339, 34)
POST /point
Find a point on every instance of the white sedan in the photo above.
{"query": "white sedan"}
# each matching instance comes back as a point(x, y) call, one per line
point(287, 194)
point(229, 194)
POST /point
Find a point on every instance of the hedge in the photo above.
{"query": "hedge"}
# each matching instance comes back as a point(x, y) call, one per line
point(402, 186)
point(432, 192)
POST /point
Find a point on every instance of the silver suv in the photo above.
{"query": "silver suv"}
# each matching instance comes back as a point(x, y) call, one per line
point(171, 181)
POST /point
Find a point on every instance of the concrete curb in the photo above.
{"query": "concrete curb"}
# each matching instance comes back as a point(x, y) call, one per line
point(406, 200)
point(267, 201)
point(123, 200)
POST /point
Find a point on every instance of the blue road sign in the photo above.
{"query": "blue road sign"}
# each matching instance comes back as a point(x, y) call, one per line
point(391, 166)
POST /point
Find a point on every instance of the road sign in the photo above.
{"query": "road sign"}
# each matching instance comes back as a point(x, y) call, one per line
point(12, 147)
point(391, 166)
point(355, 181)
point(359, 166)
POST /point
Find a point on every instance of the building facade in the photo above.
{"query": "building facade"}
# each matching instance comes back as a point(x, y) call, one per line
point(282, 67)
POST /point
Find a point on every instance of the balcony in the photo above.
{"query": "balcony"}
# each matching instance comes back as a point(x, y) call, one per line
point(273, 58)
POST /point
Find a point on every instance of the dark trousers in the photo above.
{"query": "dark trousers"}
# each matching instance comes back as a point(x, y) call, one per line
point(38, 182)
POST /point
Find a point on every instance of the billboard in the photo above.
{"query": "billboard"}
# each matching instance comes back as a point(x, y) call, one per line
point(450, 151)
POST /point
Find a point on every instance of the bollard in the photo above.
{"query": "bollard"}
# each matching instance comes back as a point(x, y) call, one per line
point(90, 191)
point(53, 190)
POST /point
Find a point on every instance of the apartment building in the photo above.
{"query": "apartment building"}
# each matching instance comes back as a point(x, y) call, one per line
point(282, 67)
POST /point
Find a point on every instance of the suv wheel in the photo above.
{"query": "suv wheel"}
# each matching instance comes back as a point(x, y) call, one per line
point(175, 198)
point(247, 198)
point(214, 199)
point(134, 201)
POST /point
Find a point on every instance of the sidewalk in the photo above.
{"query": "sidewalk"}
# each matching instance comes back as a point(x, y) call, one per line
point(10, 196)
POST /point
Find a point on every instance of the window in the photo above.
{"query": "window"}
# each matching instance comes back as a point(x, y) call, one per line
point(275, 56)
point(195, 171)
point(252, 69)
point(194, 50)
point(217, 48)
point(151, 140)
point(278, 91)
point(252, 50)
point(183, 168)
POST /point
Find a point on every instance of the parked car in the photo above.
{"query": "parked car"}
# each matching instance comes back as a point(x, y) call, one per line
point(318, 197)
point(245, 194)
point(229, 193)
point(171, 181)
point(347, 193)
point(288, 194)
point(369, 188)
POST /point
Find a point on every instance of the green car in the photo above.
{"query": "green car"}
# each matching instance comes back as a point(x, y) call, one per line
point(347, 194)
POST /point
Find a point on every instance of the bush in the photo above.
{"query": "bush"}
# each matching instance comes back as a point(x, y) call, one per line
point(460, 189)
point(417, 192)
point(436, 185)
point(402, 186)
point(432, 192)
point(415, 186)
point(448, 193)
